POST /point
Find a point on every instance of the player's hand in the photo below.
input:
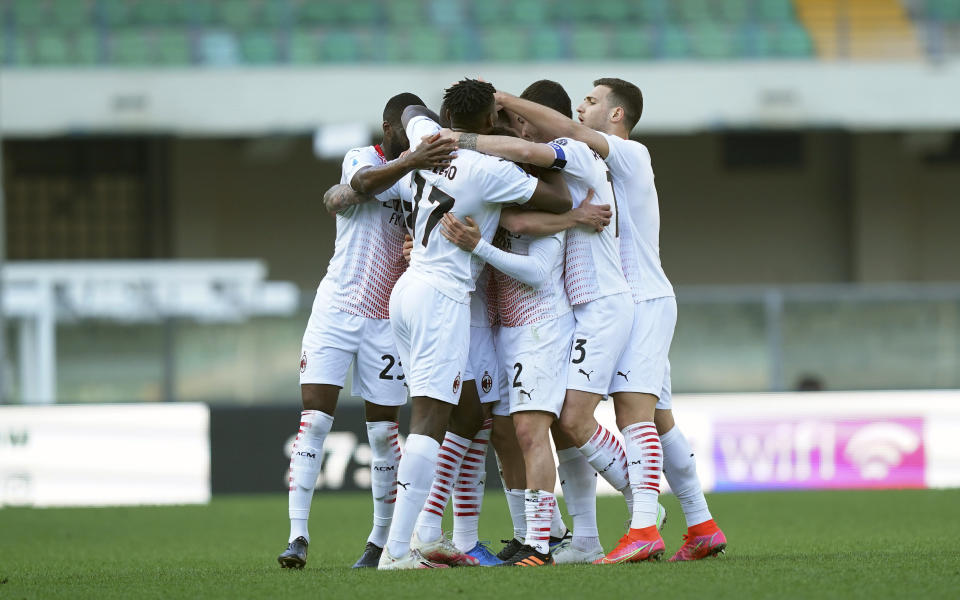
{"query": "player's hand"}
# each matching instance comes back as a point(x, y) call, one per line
point(465, 235)
point(407, 247)
point(449, 135)
point(433, 152)
point(595, 216)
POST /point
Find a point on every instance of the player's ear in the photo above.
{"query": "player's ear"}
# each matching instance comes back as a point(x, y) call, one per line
point(386, 128)
point(617, 114)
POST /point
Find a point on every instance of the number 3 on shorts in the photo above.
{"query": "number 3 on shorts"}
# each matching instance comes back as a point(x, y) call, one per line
point(578, 346)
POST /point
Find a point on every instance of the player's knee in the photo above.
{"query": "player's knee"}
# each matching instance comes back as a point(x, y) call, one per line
point(570, 425)
point(319, 397)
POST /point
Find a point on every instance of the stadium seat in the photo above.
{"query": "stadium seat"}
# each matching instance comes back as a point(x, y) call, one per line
point(13, 51)
point(237, 14)
point(793, 41)
point(428, 46)
point(504, 44)
point(590, 43)
point(734, 12)
point(490, 12)
point(218, 48)
point(343, 46)
point(29, 14)
point(673, 42)
point(319, 12)
point(153, 12)
point(115, 13)
point(615, 12)
point(404, 13)
point(303, 47)
point(527, 12)
point(447, 14)
point(775, 11)
point(360, 12)
point(86, 47)
point(692, 11)
point(130, 47)
point(652, 11)
point(713, 41)
point(173, 47)
point(259, 47)
point(71, 13)
point(632, 42)
point(277, 13)
point(50, 48)
point(195, 12)
point(547, 44)
point(943, 10)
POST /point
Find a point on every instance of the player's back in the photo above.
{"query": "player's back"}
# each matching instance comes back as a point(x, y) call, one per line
point(473, 185)
point(367, 258)
point(633, 181)
point(593, 266)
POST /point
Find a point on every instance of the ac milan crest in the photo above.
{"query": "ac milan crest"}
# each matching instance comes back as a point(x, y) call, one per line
point(303, 362)
point(456, 384)
point(486, 382)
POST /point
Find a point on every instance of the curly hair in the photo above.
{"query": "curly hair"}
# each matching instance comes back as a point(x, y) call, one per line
point(468, 100)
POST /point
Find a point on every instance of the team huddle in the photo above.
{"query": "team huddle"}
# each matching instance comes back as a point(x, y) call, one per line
point(499, 263)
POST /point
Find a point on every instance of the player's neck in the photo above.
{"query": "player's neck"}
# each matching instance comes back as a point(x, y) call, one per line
point(617, 130)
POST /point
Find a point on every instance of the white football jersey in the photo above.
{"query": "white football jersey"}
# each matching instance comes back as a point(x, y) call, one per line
point(473, 185)
point(521, 304)
point(630, 165)
point(367, 256)
point(593, 268)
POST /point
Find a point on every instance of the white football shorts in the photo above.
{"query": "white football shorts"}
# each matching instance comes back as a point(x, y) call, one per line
point(333, 339)
point(601, 334)
point(482, 364)
point(502, 406)
point(535, 361)
point(644, 366)
point(432, 334)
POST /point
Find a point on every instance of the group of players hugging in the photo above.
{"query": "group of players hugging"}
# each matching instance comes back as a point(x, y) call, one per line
point(500, 263)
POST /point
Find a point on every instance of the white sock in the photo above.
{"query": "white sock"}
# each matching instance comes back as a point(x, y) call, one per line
point(414, 476)
point(680, 469)
point(646, 463)
point(305, 464)
point(539, 509)
point(579, 483)
point(449, 458)
point(385, 448)
point(606, 455)
point(557, 527)
point(516, 504)
point(468, 493)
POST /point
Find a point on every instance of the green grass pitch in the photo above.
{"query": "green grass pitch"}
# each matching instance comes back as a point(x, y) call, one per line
point(868, 544)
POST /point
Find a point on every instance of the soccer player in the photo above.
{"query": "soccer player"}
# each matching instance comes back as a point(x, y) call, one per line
point(429, 306)
point(641, 385)
point(349, 323)
point(595, 283)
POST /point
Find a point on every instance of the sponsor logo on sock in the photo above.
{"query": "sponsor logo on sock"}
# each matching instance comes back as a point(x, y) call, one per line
point(306, 454)
point(403, 485)
point(379, 468)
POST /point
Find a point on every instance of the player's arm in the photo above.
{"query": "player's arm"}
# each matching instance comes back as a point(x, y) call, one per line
point(531, 269)
point(546, 118)
point(513, 149)
point(551, 194)
point(431, 153)
point(538, 223)
point(342, 196)
point(414, 110)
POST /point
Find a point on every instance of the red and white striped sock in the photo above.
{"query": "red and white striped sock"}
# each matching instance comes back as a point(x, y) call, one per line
point(385, 450)
point(449, 458)
point(305, 464)
point(539, 507)
point(606, 455)
point(416, 470)
point(468, 492)
point(645, 457)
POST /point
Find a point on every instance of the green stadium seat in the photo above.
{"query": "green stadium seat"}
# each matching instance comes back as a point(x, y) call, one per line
point(155, 13)
point(793, 41)
point(489, 12)
point(693, 11)
point(360, 12)
point(318, 12)
point(462, 44)
point(130, 47)
point(218, 48)
point(72, 13)
point(237, 14)
point(428, 46)
point(115, 13)
point(589, 43)
point(615, 12)
point(447, 14)
point(393, 47)
point(633, 42)
point(87, 47)
point(547, 44)
point(673, 42)
point(775, 11)
point(344, 46)
point(652, 11)
point(712, 41)
point(527, 12)
point(734, 11)
point(277, 13)
point(194, 12)
point(50, 47)
point(173, 47)
point(943, 10)
point(405, 13)
point(259, 47)
point(504, 44)
point(29, 14)
point(14, 51)
point(303, 47)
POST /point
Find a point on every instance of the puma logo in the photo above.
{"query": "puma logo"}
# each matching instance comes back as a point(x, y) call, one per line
point(624, 375)
point(522, 392)
point(585, 374)
point(403, 485)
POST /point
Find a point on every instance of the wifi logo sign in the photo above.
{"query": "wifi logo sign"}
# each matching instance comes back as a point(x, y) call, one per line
point(886, 450)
